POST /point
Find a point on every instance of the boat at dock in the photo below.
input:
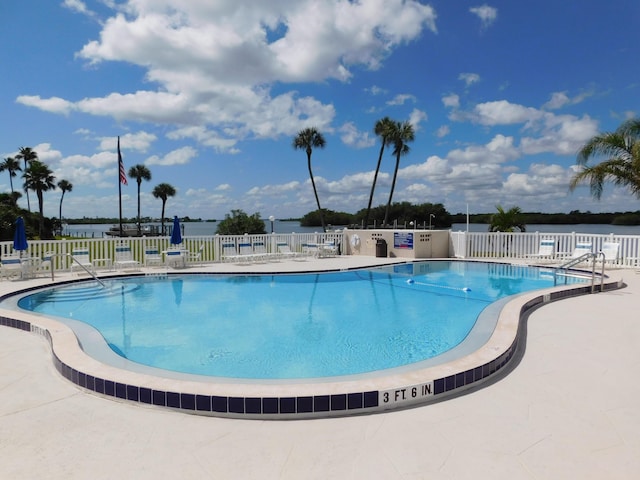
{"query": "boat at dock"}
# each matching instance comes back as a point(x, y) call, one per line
point(129, 230)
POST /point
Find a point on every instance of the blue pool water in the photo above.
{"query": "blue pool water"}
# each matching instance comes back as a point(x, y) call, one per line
point(289, 326)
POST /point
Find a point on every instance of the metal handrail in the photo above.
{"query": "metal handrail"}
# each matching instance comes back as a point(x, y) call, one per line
point(74, 259)
point(582, 258)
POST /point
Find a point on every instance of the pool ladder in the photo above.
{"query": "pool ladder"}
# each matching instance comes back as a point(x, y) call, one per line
point(74, 259)
point(561, 270)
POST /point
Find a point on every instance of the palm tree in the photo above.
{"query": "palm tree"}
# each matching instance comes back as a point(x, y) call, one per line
point(507, 221)
point(139, 172)
point(163, 191)
point(399, 135)
point(12, 166)
point(383, 129)
point(65, 186)
point(308, 139)
point(39, 177)
point(28, 155)
point(621, 150)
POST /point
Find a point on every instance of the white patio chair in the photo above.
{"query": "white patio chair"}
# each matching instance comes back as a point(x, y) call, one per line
point(11, 265)
point(152, 257)
point(610, 251)
point(284, 250)
point(196, 258)
point(546, 251)
point(246, 252)
point(124, 258)
point(175, 257)
point(260, 252)
point(229, 252)
point(80, 261)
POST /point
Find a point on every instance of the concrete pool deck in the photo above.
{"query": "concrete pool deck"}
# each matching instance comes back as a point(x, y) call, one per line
point(567, 410)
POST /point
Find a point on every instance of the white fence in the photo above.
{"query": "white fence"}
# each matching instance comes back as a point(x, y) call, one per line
point(520, 246)
point(104, 248)
point(499, 245)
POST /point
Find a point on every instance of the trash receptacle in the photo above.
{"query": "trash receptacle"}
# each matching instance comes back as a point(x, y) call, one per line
point(381, 248)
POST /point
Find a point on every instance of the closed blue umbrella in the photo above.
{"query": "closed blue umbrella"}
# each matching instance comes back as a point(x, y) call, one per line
point(20, 236)
point(176, 237)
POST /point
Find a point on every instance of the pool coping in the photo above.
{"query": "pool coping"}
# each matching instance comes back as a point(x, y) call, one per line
point(284, 400)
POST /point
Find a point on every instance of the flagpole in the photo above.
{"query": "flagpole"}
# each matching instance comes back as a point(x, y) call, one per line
point(119, 186)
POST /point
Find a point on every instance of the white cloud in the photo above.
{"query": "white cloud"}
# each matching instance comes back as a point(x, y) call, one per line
point(214, 63)
point(416, 117)
point(443, 131)
point(560, 99)
point(502, 112)
point(181, 156)
point(486, 14)
point(79, 7)
point(51, 105)
point(140, 142)
point(401, 99)
point(350, 135)
point(469, 78)
point(451, 101)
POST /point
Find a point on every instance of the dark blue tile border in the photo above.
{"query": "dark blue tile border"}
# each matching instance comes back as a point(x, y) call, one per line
point(323, 405)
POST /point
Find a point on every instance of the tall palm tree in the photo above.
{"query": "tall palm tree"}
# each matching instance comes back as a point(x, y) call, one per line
point(507, 221)
point(308, 139)
point(383, 129)
point(65, 186)
point(12, 166)
point(621, 150)
point(399, 135)
point(39, 177)
point(28, 155)
point(139, 172)
point(163, 191)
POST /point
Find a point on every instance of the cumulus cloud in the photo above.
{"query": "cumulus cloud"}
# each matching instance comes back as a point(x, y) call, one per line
point(401, 99)
point(181, 156)
point(443, 131)
point(350, 135)
point(139, 142)
point(51, 105)
point(451, 101)
point(486, 14)
point(416, 117)
point(214, 63)
point(469, 78)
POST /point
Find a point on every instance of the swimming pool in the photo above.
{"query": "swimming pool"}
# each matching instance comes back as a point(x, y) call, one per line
point(486, 348)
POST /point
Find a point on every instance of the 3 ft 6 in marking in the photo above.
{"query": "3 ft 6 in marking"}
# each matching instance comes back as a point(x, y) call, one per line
point(407, 394)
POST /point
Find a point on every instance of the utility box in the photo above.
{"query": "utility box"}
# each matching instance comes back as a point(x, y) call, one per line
point(381, 248)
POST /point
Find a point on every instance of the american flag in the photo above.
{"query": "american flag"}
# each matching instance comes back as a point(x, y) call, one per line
point(123, 174)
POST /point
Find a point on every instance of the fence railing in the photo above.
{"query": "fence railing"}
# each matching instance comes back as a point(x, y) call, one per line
point(498, 245)
point(104, 248)
point(520, 246)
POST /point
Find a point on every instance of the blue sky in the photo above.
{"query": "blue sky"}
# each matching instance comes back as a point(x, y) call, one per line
point(209, 95)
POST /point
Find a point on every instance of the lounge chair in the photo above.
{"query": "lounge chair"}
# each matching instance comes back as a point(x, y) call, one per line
point(124, 258)
point(610, 251)
point(246, 252)
point(547, 249)
point(284, 250)
point(152, 257)
point(229, 252)
point(197, 257)
point(11, 265)
point(328, 249)
point(310, 249)
point(581, 249)
point(260, 252)
point(80, 261)
point(175, 257)
point(46, 264)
